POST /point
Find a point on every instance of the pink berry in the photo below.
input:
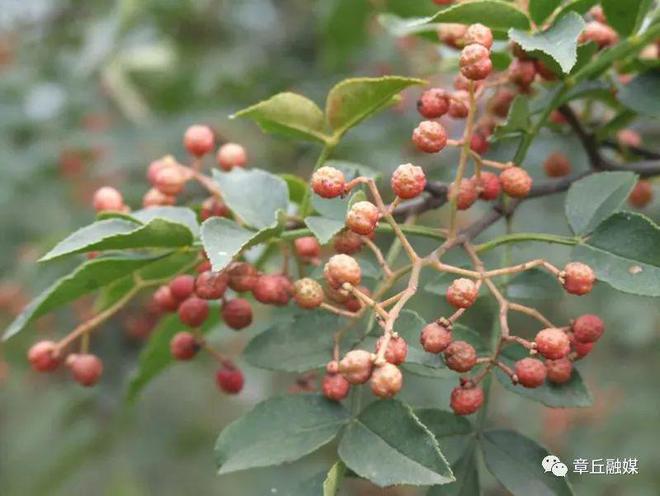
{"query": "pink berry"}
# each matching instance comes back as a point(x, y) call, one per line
point(335, 387)
point(459, 104)
point(478, 33)
point(107, 199)
point(462, 293)
point(199, 140)
point(164, 300)
point(43, 356)
point(237, 313)
point(184, 346)
point(170, 180)
point(386, 381)
point(601, 34)
point(465, 401)
point(273, 289)
point(452, 34)
point(581, 349)
point(328, 182)
point(516, 182)
point(430, 136)
point(307, 247)
point(531, 372)
point(181, 287)
point(397, 349)
point(578, 278)
point(466, 194)
point(479, 143)
point(488, 185)
point(156, 166)
point(362, 217)
point(552, 343)
point(501, 102)
point(155, 198)
point(347, 242)
point(308, 293)
point(433, 103)
point(559, 371)
point(230, 379)
point(522, 72)
point(460, 356)
point(193, 311)
point(557, 165)
point(475, 63)
point(85, 368)
point(628, 138)
point(211, 285)
point(408, 181)
point(341, 269)
point(231, 155)
point(435, 338)
point(212, 207)
point(588, 328)
point(356, 366)
point(242, 276)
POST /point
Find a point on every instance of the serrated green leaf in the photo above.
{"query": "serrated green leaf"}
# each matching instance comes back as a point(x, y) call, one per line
point(323, 228)
point(353, 100)
point(642, 94)
point(559, 41)
point(467, 477)
point(539, 10)
point(495, 14)
point(515, 461)
point(409, 26)
point(388, 445)
point(254, 195)
point(623, 251)
point(333, 479)
point(88, 277)
point(572, 394)
point(289, 115)
point(279, 430)
point(591, 200)
point(625, 17)
point(180, 215)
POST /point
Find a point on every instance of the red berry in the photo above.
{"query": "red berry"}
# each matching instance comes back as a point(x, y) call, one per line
point(307, 247)
point(557, 165)
point(386, 381)
point(430, 136)
point(199, 140)
point(230, 379)
point(107, 199)
point(522, 72)
point(242, 276)
point(181, 287)
point(353, 304)
point(488, 185)
point(556, 117)
point(362, 217)
point(588, 328)
point(231, 155)
point(516, 182)
point(628, 138)
point(85, 368)
point(478, 33)
point(211, 285)
point(347, 242)
point(203, 267)
point(156, 166)
point(335, 387)
point(466, 194)
point(501, 102)
point(171, 180)
point(581, 349)
point(475, 63)
point(452, 34)
point(212, 207)
point(308, 293)
point(552, 343)
point(578, 278)
point(530, 372)
point(272, 289)
point(165, 300)
point(435, 338)
point(479, 143)
point(559, 371)
point(356, 366)
point(237, 313)
point(397, 349)
point(465, 401)
point(341, 269)
point(184, 346)
point(544, 71)
point(193, 311)
point(460, 356)
point(408, 181)
point(462, 293)
point(433, 103)
point(601, 34)
point(155, 198)
point(328, 182)
point(641, 195)
point(43, 356)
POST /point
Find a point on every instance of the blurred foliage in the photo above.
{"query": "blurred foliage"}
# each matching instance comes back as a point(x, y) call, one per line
point(91, 91)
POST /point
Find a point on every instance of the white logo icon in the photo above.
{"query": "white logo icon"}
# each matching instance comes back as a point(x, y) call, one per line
point(553, 464)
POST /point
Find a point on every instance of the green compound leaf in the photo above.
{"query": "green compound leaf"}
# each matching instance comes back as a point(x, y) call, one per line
point(495, 14)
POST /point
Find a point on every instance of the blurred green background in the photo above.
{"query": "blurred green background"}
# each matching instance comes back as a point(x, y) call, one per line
point(91, 91)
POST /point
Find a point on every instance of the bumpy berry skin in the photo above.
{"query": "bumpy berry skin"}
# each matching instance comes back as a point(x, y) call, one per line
point(341, 269)
point(328, 182)
point(435, 338)
point(182, 286)
point(272, 289)
point(230, 379)
point(559, 371)
point(356, 366)
point(170, 180)
point(479, 143)
point(184, 346)
point(211, 285)
point(460, 356)
point(478, 33)
point(501, 102)
point(397, 349)
point(199, 140)
point(516, 182)
point(42, 356)
point(237, 313)
point(193, 311)
point(155, 198)
point(231, 155)
point(601, 34)
point(86, 368)
point(335, 387)
point(557, 165)
point(462, 293)
point(307, 247)
point(552, 343)
point(465, 401)
point(588, 328)
point(488, 185)
point(452, 34)
point(522, 72)
point(430, 137)
point(641, 195)
point(408, 181)
point(466, 194)
point(530, 372)
point(578, 278)
point(108, 199)
point(242, 276)
point(475, 63)
point(164, 300)
point(386, 381)
point(362, 218)
point(212, 207)
point(433, 103)
point(458, 105)
point(308, 293)
point(347, 242)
